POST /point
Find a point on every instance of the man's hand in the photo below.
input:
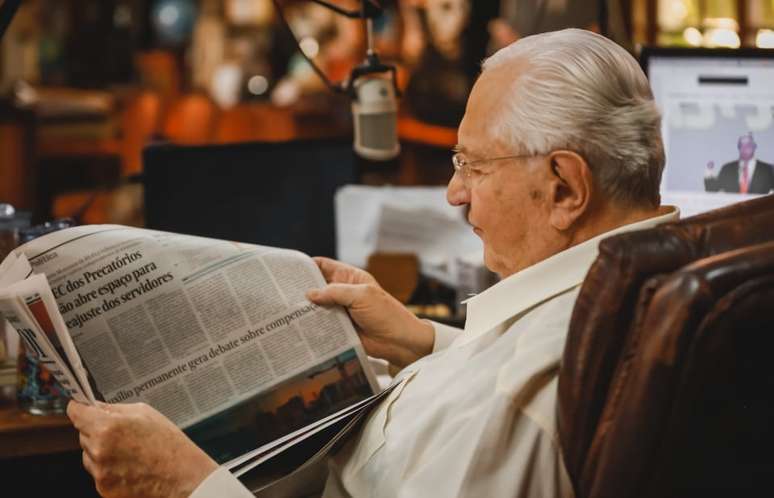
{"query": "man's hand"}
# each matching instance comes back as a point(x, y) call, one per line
point(387, 329)
point(133, 451)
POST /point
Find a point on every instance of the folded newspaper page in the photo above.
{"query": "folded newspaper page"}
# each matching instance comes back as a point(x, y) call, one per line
point(216, 335)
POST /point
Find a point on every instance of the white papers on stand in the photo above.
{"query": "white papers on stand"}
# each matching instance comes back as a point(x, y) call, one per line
point(358, 210)
point(433, 235)
point(403, 219)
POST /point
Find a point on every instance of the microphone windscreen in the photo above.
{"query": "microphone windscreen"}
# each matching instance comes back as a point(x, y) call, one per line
point(375, 118)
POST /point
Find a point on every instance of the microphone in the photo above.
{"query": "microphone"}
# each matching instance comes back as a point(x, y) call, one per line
point(374, 101)
point(375, 119)
point(374, 98)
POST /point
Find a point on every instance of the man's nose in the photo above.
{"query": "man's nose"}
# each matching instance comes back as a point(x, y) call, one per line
point(457, 194)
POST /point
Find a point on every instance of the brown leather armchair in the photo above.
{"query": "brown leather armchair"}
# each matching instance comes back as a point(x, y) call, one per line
point(601, 331)
point(691, 404)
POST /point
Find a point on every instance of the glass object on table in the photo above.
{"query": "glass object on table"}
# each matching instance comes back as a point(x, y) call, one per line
point(9, 234)
point(9, 238)
point(38, 392)
point(11, 221)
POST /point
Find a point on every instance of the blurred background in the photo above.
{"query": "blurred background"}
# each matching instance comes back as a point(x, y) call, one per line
point(86, 84)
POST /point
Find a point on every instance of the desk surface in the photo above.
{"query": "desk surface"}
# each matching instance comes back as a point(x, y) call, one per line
point(23, 434)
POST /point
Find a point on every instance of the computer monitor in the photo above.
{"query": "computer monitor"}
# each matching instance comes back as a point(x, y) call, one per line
point(718, 123)
point(276, 194)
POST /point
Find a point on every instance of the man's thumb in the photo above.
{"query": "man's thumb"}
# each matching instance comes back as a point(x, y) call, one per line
point(336, 294)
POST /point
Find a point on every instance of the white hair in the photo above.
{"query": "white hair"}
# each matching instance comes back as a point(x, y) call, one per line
point(580, 91)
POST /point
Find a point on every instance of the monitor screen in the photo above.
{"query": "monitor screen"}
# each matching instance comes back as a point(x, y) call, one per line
point(718, 124)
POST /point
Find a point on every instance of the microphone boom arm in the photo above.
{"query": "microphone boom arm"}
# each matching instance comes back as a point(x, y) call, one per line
point(372, 65)
point(369, 10)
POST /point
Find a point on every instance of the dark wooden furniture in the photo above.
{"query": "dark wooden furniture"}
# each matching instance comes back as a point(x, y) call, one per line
point(41, 455)
point(23, 434)
point(17, 163)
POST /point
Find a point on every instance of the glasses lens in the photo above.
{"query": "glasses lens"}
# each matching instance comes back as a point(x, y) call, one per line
point(459, 163)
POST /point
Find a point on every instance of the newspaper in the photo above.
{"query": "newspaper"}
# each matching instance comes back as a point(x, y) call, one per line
point(216, 335)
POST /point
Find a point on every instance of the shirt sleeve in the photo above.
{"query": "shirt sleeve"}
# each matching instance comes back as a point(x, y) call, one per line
point(444, 336)
point(221, 484)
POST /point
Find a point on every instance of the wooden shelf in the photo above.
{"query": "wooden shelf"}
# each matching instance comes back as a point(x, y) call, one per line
point(23, 434)
point(79, 147)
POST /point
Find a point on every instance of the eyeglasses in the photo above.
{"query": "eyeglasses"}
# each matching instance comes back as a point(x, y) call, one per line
point(467, 170)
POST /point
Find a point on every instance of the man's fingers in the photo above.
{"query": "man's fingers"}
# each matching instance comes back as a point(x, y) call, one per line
point(83, 440)
point(114, 407)
point(87, 418)
point(81, 416)
point(336, 272)
point(86, 442)
point(320, 260)
point(336, 294)
point(88, 463)
point(327, 266)
point(73, 410)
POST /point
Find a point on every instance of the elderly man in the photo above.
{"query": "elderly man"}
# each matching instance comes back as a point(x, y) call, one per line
point(560, 147)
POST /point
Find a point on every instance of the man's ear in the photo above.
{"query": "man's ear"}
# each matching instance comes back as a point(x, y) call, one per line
point(571, 188)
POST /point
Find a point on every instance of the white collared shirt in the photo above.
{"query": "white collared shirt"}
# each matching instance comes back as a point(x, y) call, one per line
point(477, 417)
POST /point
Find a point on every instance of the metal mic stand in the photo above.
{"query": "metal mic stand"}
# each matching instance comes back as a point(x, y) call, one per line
point(371, 65)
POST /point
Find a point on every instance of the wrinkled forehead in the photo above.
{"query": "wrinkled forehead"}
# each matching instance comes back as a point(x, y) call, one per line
point(494, 91)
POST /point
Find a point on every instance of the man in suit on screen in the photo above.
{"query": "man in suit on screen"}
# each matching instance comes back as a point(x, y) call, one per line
point(747, 175)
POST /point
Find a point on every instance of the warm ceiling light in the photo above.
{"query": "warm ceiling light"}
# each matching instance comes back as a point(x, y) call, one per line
point(257, 85)
point(673, 14)
point(309, 46)
point(693, 36)
point(721, 23)
point(726, 38)
point(764, 38)
point(169, 15)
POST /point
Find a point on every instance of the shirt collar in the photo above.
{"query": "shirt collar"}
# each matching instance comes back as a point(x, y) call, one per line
point(542, 281)
point(750, 166)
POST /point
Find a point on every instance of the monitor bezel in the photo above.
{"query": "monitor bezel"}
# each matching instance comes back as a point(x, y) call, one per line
point(649, 52)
